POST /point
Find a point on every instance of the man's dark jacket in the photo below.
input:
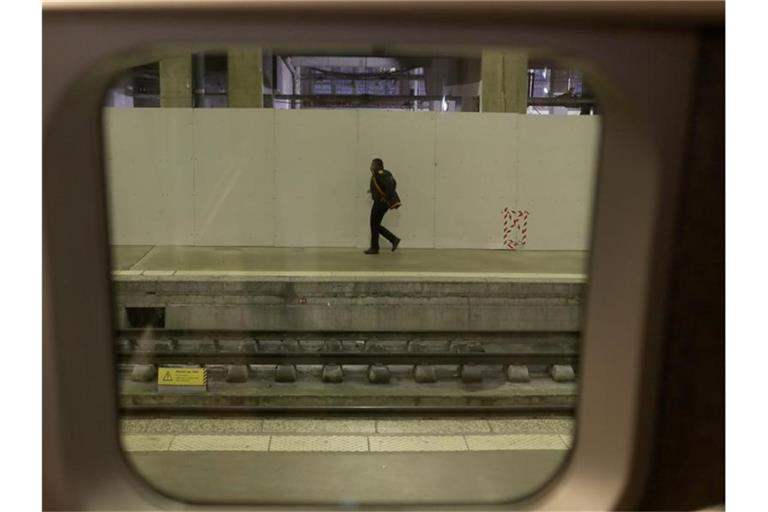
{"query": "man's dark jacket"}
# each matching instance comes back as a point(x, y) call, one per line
point(387, 183)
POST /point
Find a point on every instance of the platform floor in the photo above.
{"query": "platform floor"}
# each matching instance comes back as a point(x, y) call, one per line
point(277, 434)
point(332, 460)
point(410, 263)
point(346, 480)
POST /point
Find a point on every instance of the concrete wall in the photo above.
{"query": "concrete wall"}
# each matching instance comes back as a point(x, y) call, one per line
point(299, 178)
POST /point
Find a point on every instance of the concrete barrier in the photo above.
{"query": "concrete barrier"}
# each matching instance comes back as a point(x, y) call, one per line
point(355, 305)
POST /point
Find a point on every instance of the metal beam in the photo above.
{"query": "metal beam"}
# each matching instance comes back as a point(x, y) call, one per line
point(537, 102)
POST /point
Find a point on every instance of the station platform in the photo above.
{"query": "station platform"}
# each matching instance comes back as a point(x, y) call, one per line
point(155, 261)
point(347, 460)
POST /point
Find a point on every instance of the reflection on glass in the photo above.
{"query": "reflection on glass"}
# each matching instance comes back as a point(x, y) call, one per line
point(347, 278)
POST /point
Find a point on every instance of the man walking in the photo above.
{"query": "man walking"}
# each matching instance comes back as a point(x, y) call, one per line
point(384, 197)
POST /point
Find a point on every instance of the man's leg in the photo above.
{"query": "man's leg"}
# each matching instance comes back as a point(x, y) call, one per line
point(387, 233)
point(377, 213)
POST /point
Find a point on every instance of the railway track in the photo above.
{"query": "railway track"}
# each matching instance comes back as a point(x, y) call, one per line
point(447, 359)
point(248, 347)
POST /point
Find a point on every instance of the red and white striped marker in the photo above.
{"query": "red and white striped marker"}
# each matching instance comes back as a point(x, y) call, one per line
point(515, 219)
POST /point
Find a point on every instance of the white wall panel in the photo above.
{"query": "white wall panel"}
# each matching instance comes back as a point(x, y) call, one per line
point(234, 176)
point(405, 141)
point(150, 175)
point(558, 161)
point(299, 178)
point(316, 182)
point(476, 165)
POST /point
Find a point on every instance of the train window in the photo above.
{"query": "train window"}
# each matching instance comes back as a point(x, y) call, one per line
point(364, 270)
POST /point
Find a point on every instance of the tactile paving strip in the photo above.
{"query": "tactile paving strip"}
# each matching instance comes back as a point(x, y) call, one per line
point(417, 443)
point(432, 426)
point(531, 426)
point(313, 426)
point(516, 442)
point(141, 443)
point(220, 443)
point(191, 426)
point(319, 444)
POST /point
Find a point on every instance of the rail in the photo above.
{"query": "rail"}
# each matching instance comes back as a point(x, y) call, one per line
point(465, 348)
point(389, 411)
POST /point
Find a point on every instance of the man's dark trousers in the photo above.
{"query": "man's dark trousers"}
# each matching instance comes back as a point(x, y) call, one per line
point(378, 210)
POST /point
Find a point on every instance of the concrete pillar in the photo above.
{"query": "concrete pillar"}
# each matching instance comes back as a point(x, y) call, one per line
point(469, 75)
point(504, 81)
point(176, 82)
point(244, 78)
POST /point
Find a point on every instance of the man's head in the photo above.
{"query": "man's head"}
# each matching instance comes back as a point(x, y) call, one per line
point(376, 164)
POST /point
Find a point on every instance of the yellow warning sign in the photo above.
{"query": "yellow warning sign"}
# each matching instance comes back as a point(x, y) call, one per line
point(182, 376)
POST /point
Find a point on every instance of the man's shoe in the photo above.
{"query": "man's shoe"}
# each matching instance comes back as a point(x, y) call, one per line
point(371, 251)
point(394, 245)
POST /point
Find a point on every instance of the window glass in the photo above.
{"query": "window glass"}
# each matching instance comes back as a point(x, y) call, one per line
point(349, 277)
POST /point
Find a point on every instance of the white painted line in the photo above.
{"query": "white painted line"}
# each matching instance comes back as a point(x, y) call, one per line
point(126, 273)
point(522, 277)
point(158, 273)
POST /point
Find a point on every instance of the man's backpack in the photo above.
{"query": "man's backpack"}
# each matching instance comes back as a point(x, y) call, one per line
point(392, 199)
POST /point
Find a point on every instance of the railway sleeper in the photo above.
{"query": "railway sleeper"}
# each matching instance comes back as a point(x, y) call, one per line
point(208, 346)
point(143, 372)
point(126, 345)
point(248, 347)
point(562, 373)
point(285, 373)
point(379, 374)
point(165, 346)
point(237, 373)
point(332, 373)
point(518, 373)
point(424, 373)
point(471, 373)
